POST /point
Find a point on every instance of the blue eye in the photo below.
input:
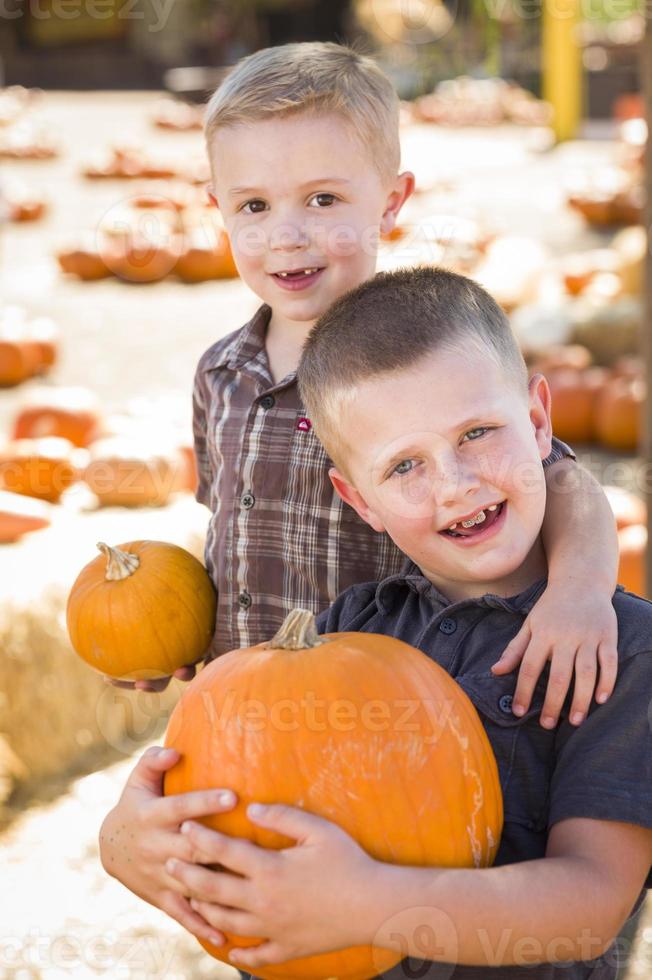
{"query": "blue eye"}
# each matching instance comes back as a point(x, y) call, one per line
point(253, 207)
point(473, 434)
point(405, 466)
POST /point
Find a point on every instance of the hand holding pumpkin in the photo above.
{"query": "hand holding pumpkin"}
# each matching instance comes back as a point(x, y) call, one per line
point(307, 899)
point(142, 832)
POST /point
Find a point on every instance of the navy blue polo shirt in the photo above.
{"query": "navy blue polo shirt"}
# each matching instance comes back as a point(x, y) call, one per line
point(601, 770)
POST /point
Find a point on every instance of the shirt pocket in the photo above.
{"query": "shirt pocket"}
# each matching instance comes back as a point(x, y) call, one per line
point(524, 750)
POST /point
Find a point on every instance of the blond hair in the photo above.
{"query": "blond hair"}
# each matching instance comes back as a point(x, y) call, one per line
point(386, 325)
point(317, 77)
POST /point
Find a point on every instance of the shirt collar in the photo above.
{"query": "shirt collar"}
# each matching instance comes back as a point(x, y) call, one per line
point(412, 578)
point(246, 345)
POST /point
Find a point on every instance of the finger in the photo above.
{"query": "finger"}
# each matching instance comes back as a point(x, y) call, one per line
point(608, 660)
point(234, 853)
point(156, 686)
point(179, 909)
point(173, 810)
point(114, 682)
point(291, 821)
point(185, 673)
point(216, 887)
point(148, 772)
point(513, 653)
point(253, 956)
point(586, 671)
point(534, 662)
point(559, 681)
point(217, 916)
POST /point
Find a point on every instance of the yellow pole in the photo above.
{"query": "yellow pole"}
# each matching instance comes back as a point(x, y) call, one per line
point(562, 65)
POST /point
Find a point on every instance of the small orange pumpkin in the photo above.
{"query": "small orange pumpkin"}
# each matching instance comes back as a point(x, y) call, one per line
point(141, 610)
point(84, 262)
point(19, 515)
point(632, 545)
point(20, 360)
point(574, 395)
point(71, 413)
point(618, 413)
point(337, 706)
point(42, 468)
point(203, 260)
point(130, 473)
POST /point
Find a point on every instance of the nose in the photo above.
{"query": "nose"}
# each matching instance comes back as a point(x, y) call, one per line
point(455, 483)
point(289, 234)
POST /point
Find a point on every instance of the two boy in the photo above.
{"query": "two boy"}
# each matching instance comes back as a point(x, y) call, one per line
point(303, 143)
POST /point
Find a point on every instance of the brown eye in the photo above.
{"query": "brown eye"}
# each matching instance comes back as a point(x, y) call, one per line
point(324, 200)
point(254, 207)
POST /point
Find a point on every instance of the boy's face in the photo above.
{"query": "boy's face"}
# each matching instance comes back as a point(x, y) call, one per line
point(446, 441)
point(303, 204)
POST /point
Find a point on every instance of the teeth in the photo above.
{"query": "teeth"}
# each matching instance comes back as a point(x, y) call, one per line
point(478, 519)
point(452, 527)
point(306, 272)
point(493, 507)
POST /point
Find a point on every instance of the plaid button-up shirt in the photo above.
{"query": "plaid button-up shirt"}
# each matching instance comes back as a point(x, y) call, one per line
point(279, 537)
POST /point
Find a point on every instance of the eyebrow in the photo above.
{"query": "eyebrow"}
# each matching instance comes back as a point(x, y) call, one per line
point(236, 191)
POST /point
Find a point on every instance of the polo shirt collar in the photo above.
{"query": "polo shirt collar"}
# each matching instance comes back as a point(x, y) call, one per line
point(412, 578)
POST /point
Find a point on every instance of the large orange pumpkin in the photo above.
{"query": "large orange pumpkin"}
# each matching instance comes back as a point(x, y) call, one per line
point(361, 729)
point(131, 473)
point(141, 610)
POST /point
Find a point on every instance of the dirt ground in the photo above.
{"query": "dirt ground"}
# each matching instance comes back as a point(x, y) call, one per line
point(137, 347)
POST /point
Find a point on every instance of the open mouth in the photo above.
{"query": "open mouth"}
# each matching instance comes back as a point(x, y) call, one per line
point(479, 523)
point(298, 278)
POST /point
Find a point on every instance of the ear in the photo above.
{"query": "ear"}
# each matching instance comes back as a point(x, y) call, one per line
point(399, 194)
point(211, 196)
point(351, 496)
point(539, 405)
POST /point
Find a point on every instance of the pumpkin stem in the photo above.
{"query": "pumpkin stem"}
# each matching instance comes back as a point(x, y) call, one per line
point(298, 632)
point(120, 564)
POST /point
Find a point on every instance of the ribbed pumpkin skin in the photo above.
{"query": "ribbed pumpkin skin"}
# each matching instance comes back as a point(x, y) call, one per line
point(148, 625)
point(365, 731)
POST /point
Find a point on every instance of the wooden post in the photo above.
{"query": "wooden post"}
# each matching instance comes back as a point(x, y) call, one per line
point(646, 326)
point(562, 65)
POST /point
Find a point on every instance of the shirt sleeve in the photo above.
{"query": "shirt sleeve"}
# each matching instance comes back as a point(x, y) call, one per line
point(603, 769)
point(199, 428)
point(559, 450)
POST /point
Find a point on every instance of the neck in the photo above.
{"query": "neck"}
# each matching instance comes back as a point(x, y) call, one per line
point(534, 568)
point(284, 342)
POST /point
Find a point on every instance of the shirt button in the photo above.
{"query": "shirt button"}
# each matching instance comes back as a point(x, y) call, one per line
point(505, 704)
point(447, 626)
point(244, 600)
point(267, 402)
point(248, 501)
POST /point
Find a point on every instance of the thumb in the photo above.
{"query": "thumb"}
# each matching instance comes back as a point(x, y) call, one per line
point(148, 772)
point(513, 652)
point(291, 821)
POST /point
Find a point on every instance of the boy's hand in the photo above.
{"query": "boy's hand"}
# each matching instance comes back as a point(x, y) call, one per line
point(299, 898)
point(576, 632)
point(142, 832)
point(159, 684)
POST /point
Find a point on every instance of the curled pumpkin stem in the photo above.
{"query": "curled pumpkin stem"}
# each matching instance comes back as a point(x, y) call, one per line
point(119, 564)
point(298, 632)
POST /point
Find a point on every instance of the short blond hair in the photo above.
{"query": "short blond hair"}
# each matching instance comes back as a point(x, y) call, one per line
point(317, 77)
point(388, 324)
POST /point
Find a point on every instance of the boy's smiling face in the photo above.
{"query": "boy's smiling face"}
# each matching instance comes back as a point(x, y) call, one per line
point(451, 443)
point(303, 204)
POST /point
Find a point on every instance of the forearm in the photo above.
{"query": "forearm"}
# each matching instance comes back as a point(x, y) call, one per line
point(548, 910)
point(579, 530)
